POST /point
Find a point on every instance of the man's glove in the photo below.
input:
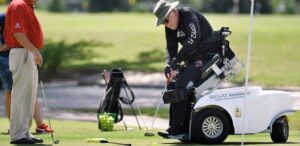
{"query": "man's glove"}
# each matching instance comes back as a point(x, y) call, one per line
point(167, 70)
point(174, 64)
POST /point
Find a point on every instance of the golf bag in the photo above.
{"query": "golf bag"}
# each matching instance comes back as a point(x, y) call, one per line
point(110, 102)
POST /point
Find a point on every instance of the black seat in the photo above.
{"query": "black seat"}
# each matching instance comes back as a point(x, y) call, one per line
point(221, 65)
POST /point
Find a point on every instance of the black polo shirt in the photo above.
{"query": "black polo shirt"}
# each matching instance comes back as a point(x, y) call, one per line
point(193, 27)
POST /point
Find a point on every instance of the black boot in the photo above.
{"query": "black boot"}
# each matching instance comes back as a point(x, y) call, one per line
point(163, 134)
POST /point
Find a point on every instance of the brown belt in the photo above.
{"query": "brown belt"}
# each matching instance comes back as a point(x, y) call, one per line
point(17, 48)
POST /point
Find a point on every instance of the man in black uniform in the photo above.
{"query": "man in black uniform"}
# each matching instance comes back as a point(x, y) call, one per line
point(189, 28)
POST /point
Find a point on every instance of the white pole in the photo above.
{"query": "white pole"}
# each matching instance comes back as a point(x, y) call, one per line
point(247, 68)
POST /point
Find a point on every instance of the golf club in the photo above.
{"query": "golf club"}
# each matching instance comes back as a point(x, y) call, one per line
point(55, 141)
point(154, 118)
point(106, 141)
point(106, 78)
point(150, 133)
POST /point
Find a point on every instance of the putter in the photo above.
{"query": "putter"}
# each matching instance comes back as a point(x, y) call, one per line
point(106, 141)
point(154, 118)
point(55, 141)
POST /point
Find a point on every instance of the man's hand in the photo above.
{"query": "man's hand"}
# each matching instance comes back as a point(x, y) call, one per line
point(23, 40)
point(170, 76)
point(3, 47)
point(174, 64)
point(38, 58)
point(167, 70)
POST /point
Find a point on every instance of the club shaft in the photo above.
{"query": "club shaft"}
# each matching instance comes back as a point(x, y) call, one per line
point(159, 103)
point(46, 109)
point(154, 118)
point(120, 143)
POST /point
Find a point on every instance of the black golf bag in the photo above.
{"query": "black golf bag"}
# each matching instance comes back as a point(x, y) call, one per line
point(110, 102)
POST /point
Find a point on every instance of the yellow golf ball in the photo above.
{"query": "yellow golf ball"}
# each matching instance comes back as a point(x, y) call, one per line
point(154, 144)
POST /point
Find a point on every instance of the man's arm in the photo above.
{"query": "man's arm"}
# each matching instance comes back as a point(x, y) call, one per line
point(172, 44)
point(23, 40)
point(171, 49)
point(192, 27)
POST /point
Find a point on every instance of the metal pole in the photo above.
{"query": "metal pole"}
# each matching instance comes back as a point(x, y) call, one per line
point(135, 115)
point(140, 113)
point(247, 68)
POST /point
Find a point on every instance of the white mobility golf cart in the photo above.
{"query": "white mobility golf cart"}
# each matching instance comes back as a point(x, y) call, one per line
point(243, 110)
point(221, 113)
point(218, 113)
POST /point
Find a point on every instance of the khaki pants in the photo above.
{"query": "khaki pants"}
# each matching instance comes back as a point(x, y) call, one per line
point(24, 90)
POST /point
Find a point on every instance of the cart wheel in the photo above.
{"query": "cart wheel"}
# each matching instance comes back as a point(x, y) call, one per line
point(210, 126)
point(280, 130)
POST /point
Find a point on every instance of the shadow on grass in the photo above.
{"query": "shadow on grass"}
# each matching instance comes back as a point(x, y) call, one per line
point(34, 144)
point(143, 63)
point(122, 64)
point(4, 133)
point(55, 53)
point(230, 143)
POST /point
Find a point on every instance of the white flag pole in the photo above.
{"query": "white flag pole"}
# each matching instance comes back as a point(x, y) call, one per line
point(247, 68)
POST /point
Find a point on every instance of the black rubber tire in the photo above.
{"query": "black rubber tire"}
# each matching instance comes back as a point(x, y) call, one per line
point(280, 131)
point(198, 134)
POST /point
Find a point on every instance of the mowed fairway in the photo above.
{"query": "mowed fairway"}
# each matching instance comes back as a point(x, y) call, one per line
point(122, 37)
point(72, 133)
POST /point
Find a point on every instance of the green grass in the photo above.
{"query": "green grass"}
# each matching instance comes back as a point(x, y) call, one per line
point(162, 113)
point(294, 119)
point(124, 37)
point(72, 133)
point(274, 50)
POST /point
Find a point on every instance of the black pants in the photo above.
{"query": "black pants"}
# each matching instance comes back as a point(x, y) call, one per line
point(180, 112)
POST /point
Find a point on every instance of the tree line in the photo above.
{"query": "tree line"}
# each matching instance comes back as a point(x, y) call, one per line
point(212, 6)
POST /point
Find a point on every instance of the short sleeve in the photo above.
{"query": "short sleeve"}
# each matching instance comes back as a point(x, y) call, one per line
point(17, 19)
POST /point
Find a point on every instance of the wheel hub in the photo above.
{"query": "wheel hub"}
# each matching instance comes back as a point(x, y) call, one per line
point(212, 127)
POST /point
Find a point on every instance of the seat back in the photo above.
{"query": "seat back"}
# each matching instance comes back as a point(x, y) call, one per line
point(222, 66)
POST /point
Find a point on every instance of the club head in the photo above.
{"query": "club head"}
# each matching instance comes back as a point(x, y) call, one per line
point(56, 141)
point(148, 134)
point(103, 141)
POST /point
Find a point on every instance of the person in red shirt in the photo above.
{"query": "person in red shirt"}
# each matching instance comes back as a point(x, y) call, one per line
point(6, 78)
point(24, 37)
